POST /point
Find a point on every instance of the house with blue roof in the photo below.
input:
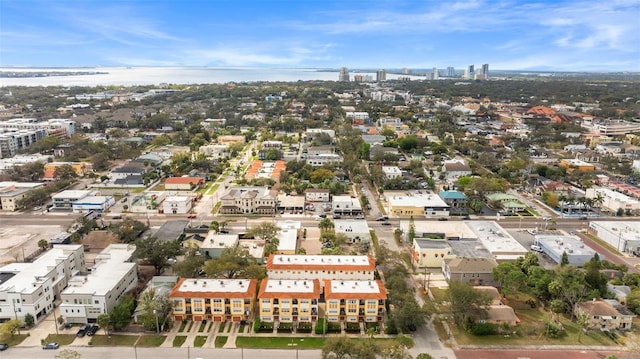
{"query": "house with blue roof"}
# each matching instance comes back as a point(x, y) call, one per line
point(457, 201)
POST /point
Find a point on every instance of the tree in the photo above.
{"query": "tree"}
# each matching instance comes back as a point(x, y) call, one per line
point(128, 229)
point(10, 327)
point(68, 354)
point(412, 231)
point(424, 356)
point(156, 252)
point(43, 244)
point(65, 172)
point(271, 247)
point(583, 324)
point(633, 301)
point(464, 300)
point(190, 265)
point(409, 315)
point(156, 310)
point(565, 259)
point(325, 224)
point(104, 321)
point(264, 230)
point(320, 175)
point(234, 262)
point(120, 315)
point(28, 320)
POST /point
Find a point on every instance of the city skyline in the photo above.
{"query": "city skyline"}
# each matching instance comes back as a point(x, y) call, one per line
point(512, 35)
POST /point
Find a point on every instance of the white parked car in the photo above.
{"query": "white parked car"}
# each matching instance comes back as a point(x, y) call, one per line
point(532, 232)
point(536, 248)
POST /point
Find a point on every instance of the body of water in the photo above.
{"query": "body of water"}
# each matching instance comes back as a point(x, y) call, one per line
point(131, 76)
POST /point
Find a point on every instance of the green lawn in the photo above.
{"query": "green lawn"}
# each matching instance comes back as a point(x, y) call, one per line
point(203, 325)
point(62, 339)
point(241, 329)
point(114, 340)
point(179, 340)
point(189, 326)
point(199, 341)
point(14, 340)
point(182, 326)
point(280, 342)
point(220, 341)
point(151, 340)
point(221, 328)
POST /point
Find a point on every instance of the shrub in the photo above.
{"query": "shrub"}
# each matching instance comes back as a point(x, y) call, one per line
point(256, 325)
point(483, 329)
point(553, 331)
point(321, 326)
point(392, 327)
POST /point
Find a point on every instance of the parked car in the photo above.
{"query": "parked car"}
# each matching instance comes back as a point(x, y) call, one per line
point(532, 232)
point(3, 346)
point(383, 218)
point(51, 346)
point(386, 223)
point(93, 330)
point(191, 216)
point(536, 248)
point(224, 231)
point(83, 330)
point(443, 219)
point(466, 217)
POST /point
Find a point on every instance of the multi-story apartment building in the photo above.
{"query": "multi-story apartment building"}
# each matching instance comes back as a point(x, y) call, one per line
point(219, 300)
point(31, 288)
point(289, 300)
point(59, 127)
point(13, 140)
point(355, 301)
point(320, 267)
point(112, 276)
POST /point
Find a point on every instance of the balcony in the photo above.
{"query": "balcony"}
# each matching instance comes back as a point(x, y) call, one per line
point(314, 311)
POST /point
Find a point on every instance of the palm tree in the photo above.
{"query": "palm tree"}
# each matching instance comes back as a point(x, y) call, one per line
point(598, 200)
point(325, 224)
point(43, 244)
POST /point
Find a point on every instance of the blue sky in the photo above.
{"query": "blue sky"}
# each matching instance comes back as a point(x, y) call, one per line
point(511, 35)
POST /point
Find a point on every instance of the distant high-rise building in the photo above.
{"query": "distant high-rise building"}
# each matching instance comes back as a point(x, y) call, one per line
point(381, 75)
point(357, 78)
point(451, 71)
point(436, 74)
point(368, 78)
point(485, 70)
point(469, 73)
point(406, 71)
point(344, 74)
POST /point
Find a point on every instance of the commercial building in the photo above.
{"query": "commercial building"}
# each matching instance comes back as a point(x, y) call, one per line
point(430, 253)
point(623, 236)
point(346, 205)
point(249, 200)
point(615, 127)
point(289, 300)
point(219, 300)
point(288, 236)
point(356, 230)
point(502, 246)
point(555, 246)
point(355, 301)
point(319, 160)
point(417, 205)
point(183, 183)
point(80, 168)
point(12, 192)
point(31, 288)
point(112, 276)
point(98, 204)
point(231, 139)
point(211, 244)
point(65, 199)
point(321, 267)
point(317, 195)
point(573, 164)
point(177, 204)
point(613, 200)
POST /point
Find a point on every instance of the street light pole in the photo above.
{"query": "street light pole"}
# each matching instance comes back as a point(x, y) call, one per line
point(155, 312)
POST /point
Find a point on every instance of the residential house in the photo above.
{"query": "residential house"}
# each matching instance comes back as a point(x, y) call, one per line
point(454, 169)
point(605, 316)
point(231, 139)
point(456, 200)
point(391, 172)
point(496, 312)
point(111, 277)
point(473, 271)
point(355, 301)
point(217, 300)
point(507, 202)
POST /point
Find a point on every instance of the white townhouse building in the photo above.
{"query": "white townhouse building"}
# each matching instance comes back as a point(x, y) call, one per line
point(112, 275)
point(31, 288)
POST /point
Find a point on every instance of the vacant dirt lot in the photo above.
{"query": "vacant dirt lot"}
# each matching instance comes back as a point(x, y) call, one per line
point(17, 242)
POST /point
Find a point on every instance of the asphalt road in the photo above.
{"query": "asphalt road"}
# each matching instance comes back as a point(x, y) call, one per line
point(538, 354)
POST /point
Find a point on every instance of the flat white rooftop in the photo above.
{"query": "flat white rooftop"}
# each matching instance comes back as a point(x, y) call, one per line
point(110, 266)
point(449, 228)
point(72, 194)
point(572, 245)
point(214, 240)
point(30, 275)
point(348, 226)
point(286, 261)
point(354, 286)
point(496, 240)
point(417, 200)
point(287, 239)
point(214, 285)
point(289, 286)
